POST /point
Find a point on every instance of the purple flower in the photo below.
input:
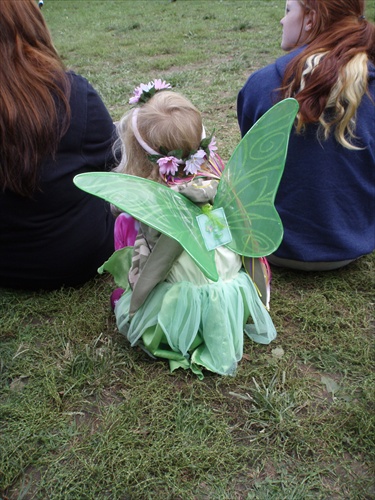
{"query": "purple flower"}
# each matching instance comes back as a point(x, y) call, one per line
point(137, 94)
point(168, 165)
point(212, 146)
point(138, 91)
point(196, 160)
point(160, 85)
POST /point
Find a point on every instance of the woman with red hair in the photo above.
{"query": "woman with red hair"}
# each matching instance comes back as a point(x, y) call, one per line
point(53, 125)
point(326, 198)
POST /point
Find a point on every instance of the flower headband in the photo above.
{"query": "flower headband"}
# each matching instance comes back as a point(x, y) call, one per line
point(168, 161)
point(146, 90)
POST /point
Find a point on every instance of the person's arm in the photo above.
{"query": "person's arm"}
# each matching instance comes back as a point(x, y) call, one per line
point(249, 102)
point(153, 258)
point(100, 133)
point(261, 91)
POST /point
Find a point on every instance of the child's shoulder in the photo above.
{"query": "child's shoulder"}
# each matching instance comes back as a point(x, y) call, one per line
point(198, 190)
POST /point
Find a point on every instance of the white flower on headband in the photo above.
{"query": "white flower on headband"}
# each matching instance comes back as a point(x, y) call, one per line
point(193, 164)
point(145, 91)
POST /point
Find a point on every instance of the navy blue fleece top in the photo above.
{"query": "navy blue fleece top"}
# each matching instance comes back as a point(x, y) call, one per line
point(62, 235)
point(326, 197)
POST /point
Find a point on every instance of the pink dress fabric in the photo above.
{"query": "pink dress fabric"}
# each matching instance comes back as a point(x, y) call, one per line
point(126, 230)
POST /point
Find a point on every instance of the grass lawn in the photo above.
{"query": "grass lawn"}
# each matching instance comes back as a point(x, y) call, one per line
point(85, 416)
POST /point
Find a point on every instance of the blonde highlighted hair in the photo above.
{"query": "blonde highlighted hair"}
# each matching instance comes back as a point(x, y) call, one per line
point(330, 76)
point(168, 121)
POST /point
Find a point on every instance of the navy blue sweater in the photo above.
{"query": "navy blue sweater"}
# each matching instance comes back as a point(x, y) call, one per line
point(326, 197)
point(62, 235)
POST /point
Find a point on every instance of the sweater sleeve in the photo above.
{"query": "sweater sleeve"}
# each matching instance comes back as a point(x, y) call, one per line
point(100, 133)
point(255, 98)
point(260, 92)
point(245, 108)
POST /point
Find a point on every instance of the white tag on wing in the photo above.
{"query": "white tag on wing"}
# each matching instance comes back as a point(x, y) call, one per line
point(214, 229)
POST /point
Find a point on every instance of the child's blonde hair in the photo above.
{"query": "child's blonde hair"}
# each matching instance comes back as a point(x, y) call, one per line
point(168, 121)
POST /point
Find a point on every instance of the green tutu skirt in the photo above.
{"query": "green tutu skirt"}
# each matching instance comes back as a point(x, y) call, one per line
point(197, 323)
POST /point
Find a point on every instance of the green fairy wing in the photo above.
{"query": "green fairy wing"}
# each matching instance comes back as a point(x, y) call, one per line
point(248, 186)
point(157, 206)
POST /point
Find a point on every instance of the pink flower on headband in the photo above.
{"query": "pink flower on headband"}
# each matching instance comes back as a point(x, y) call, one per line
point(168, 165)
point(160, 85)
point(195, 161)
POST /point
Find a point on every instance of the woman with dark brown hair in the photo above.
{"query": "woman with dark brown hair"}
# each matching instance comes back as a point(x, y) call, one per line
point(326, 198)
point(53, 125)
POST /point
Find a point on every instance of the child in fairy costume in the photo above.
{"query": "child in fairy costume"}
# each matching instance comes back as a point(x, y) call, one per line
point(171, 308)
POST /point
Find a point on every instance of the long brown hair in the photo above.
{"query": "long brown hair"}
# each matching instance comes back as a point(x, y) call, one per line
point(34, 96)
point(330, 76)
